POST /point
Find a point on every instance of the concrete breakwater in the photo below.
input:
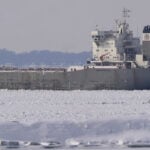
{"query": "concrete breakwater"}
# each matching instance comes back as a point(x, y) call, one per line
point(18, 79)
point(87, 79)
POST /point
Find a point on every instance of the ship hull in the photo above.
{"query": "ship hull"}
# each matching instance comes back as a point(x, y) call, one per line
point(87, 79)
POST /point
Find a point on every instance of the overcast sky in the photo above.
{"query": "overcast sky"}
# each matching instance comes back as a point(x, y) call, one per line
point(63, 25)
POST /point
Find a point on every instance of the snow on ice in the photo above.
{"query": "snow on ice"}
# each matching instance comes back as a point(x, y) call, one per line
point(79, 116)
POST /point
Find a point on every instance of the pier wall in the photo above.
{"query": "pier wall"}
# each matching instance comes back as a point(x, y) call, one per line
point(31, 80)
point(88, 79)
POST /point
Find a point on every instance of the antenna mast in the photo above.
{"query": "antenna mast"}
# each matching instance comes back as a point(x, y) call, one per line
point(126, 13)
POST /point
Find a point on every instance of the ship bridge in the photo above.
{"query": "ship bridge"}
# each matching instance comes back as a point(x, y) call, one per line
point(116, 46)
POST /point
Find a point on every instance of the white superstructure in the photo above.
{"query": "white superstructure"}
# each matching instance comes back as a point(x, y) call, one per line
point(118, 47)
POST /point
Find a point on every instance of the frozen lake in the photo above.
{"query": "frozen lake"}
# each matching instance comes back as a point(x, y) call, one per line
point(104, 117)
point(73, 106)
point(38, 148)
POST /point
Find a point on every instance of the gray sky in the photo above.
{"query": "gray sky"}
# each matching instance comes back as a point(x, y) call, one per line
point(63, 25)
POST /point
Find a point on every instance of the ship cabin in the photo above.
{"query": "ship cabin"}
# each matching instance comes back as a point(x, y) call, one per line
point(120, 47)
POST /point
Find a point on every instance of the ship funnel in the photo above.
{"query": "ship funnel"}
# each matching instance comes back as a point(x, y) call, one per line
point(146, 42)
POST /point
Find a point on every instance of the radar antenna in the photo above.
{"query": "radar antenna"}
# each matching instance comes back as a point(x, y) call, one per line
point(97, 27)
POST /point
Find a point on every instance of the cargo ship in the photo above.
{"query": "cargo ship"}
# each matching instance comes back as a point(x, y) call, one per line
point(119, 61)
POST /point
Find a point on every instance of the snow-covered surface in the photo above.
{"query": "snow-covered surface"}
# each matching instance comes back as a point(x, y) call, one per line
point(78, 117)
point(74, 106)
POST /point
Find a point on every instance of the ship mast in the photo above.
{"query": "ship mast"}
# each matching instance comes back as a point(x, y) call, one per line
point(126, 14)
